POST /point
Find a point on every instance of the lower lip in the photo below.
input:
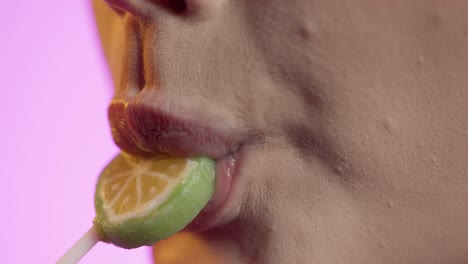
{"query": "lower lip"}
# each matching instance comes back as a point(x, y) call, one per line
point(225, 172)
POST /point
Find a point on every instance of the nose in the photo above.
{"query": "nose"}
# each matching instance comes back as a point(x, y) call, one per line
point(129, 6)
point(141, 6)
point(179, 7)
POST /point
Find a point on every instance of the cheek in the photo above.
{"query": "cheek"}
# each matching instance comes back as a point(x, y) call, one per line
point(396, 150)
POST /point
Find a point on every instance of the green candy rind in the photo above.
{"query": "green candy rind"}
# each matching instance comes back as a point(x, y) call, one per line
point(184, 203)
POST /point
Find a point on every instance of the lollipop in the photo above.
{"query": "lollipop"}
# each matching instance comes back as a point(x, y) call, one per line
point(140, 201)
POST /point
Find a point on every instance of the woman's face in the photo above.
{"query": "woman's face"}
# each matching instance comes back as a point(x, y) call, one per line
point(348, 122)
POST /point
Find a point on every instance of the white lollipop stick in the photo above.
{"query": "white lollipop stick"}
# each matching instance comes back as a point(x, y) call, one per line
point(80, 248)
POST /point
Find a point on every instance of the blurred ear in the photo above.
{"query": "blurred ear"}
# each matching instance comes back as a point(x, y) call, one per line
point(185, 247)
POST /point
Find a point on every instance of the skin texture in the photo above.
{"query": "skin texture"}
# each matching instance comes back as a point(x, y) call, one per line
point(359, 110)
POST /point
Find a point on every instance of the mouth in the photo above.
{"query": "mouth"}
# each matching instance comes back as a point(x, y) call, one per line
point(146, 128)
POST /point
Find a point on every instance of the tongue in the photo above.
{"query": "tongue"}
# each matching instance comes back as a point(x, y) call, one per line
point(224, 171)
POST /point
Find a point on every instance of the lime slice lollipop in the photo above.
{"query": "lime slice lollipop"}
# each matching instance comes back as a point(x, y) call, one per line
point(140, 201)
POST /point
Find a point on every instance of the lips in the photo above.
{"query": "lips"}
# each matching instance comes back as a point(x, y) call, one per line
point(145, 129)
point(139, 128)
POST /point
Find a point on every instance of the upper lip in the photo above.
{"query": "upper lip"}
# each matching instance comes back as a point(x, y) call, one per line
point(144, 128)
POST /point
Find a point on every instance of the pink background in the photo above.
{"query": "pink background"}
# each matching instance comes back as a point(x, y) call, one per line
point(54, 132)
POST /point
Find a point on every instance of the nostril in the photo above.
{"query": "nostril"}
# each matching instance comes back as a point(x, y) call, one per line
point(174, 6)
point(118, 10)
point(121, 6)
